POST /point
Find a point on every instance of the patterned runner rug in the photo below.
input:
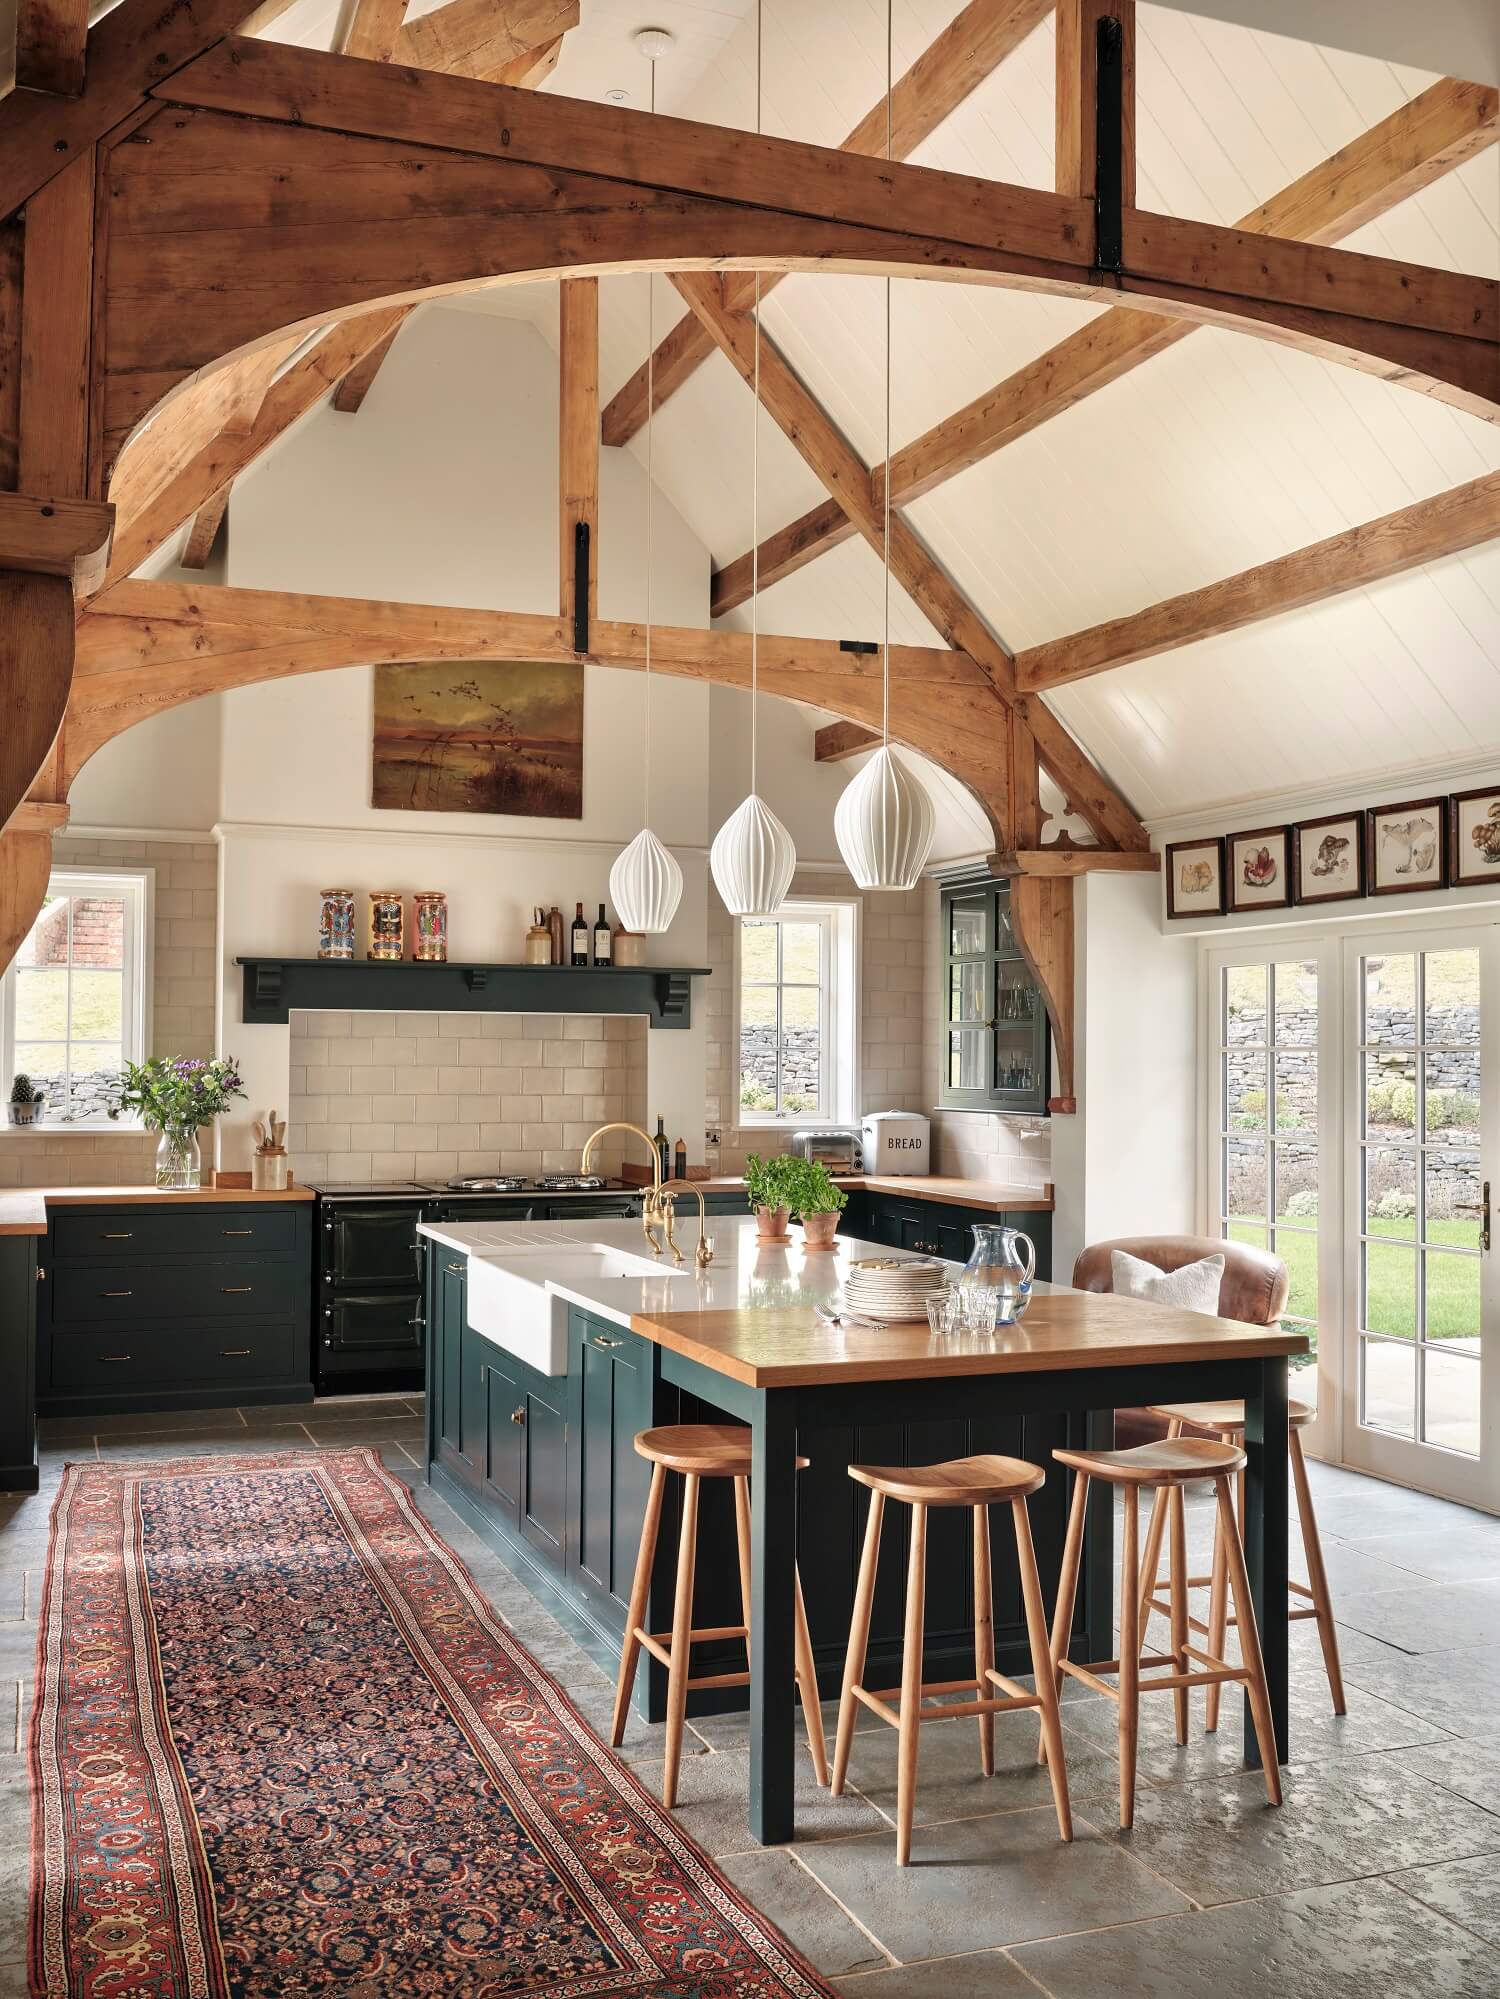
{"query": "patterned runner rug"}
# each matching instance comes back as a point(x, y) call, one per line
point(282, 1746)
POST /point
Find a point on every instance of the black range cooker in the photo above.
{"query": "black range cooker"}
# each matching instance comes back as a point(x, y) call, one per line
point(368, 1328)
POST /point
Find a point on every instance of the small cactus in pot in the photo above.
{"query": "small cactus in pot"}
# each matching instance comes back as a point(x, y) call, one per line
point(26, 1101)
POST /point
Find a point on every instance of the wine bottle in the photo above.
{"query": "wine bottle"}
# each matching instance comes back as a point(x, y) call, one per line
point(663, 1148)
point(580, 937)
point(603, 954)
point(679, 1160)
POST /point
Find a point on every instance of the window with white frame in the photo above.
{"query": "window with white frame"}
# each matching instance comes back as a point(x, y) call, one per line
point(73, 1005)
point(794, 1027)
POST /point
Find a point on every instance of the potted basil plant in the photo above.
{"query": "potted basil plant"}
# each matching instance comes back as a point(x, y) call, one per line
point(815, 1201)
point(769, 1184)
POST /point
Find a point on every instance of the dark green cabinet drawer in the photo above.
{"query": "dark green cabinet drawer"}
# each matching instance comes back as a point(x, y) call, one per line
point(228, 1287)
point(191, 1355)
point(178, 1230)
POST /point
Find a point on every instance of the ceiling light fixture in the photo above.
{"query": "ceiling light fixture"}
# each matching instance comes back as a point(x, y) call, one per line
point(752, 857)
point(645, 882)
point(884, 822)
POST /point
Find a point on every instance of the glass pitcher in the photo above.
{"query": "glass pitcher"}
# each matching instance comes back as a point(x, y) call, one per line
point(1004, 1261)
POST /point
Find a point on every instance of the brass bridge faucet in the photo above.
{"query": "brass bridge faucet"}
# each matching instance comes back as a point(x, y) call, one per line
point(652, 1207)
point(704, 1255)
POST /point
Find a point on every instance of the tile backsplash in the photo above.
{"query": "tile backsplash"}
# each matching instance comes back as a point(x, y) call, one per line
point(432, 1096)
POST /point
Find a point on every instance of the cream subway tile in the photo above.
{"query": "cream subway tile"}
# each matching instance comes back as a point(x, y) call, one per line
point(303, 1111)
point(905, 978)
point(390, 1048)
point(355, 1166)
point(393, 1165)
point(173, 961)
point(312, 1049)
point(174, 902)
point(415, 1082)
point(458, 1137)
point(521, 1160)
point(499, 1082)
point(596, 1107)
point(523, 1053)
point(171, 1024)
point(583, 1027)
point(373, 1082)
point(576, 1136)
point(436, 1109)
point(523, 1109)
point(558, 1108)
point(474, 1051)
point(500, 1137)
point(540, 1026)
point(452, 1026)
point(376, 1023)
point(546, 1082)
point(416, 1026)
point(875, 979)
point(372, 1137)
point(205, 903)
point(538, 1136)
point(435, 1166)
point(876, 924)
point(467, 1081)
point(558, 1160)
point(412, 1136)
point(489, 1027)
point(351, 1051)
point(432, 1051)
point(296, 1080)
point(392, 1110)
point(556, 1053)
point(622, 1027)
point(190, 992)
point(575, 1081)
point(327, 1137)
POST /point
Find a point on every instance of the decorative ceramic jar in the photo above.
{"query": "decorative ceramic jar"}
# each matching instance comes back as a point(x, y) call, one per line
point(387, 924)
point(430, 946)
point(629, 947)
point(336, 923)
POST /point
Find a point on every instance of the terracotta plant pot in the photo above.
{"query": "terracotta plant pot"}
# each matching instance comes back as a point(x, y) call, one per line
point(770, 1224)
point(818, 1230)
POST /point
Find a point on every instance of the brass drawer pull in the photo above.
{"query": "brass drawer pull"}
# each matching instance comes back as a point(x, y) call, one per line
point(234, 1353)
point(236, 1232)
point(603, 1341)
point(114, 1356)
point(233, 1290)
point(454, 1269)
point(518, 1417)
point(116, 1235)
point(419, 1320)
point(114, 1294)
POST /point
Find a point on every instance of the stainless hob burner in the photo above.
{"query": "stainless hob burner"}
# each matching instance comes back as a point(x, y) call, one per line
point(491, 1183)
point(570, 1183)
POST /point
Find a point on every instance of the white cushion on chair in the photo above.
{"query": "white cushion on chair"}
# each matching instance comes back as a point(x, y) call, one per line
point(1194, 1287)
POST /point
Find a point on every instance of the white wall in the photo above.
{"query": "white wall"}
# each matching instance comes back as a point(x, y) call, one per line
point(1126, 1163)
point(441, 490)
point(160, 774)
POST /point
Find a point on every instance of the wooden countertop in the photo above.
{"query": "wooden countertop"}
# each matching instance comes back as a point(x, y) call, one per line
point(125, 1197)
point(23, 1214)
point(915, 1186)
point(790, 1346)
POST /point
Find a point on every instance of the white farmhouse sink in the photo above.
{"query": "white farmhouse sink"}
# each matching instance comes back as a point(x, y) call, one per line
point(513, 1295)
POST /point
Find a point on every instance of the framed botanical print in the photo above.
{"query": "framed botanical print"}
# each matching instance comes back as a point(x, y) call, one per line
point(1406, 846)
point(1258, 867)
point(1328, 858)
point(1474, 836)
point(1195, 878)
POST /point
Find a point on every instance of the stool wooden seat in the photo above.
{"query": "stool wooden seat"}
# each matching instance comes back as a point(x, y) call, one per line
point(697, 1451)
point(1169, 1466)
point(1227, 1419)
point(977, 1483)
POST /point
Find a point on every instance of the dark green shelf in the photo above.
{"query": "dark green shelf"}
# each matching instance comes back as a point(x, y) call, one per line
point(273, 986)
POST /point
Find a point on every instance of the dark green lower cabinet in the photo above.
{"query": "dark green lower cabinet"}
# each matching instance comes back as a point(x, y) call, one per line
point(938, 1228)
point(610, 1386)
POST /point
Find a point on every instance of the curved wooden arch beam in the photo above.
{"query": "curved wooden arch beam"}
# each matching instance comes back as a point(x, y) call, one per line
point(289, 188)
point(150, 646)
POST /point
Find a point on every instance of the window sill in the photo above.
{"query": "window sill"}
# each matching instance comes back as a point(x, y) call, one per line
point(30, 1133)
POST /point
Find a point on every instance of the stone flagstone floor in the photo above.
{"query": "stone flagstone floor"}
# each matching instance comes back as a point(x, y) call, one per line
point(1380, 1877)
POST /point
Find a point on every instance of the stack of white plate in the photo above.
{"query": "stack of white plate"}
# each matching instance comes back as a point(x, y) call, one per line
point(885, 1287)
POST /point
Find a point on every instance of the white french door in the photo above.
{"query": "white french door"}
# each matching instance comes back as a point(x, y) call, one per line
point(1353, 1129)
point(1421, 1281)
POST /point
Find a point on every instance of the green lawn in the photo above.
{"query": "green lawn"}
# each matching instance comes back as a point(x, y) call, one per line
point(1452, 1281)
point(42, 1005)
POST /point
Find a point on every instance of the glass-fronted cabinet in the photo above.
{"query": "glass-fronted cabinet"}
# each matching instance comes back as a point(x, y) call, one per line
point(996, 1047)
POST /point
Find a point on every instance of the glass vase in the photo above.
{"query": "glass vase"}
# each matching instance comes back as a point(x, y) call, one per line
point(179, 1158)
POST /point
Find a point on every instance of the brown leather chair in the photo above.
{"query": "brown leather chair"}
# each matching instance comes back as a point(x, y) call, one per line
point(1253, 1288)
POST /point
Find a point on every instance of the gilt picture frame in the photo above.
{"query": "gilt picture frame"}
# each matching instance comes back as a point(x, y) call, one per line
point(1406, 847)
point(1195, 878)
point(1474, 837)
point(1328, 858)
point(1257, 867)
point(484, 736)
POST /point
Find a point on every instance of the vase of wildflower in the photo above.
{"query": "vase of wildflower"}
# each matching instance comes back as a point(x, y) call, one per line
point(176, 1095)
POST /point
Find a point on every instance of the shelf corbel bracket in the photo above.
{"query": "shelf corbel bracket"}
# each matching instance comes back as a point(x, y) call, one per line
point(476, 977)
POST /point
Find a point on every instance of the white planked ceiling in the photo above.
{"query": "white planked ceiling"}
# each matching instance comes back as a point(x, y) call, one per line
point(1221, 453)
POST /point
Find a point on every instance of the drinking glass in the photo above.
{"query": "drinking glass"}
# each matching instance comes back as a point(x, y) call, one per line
point(980, 1304)
point(943, 1312)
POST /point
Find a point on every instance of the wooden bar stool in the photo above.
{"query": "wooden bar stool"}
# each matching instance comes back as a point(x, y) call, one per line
point(699, 1451)
point(1171, 1465)
point(1227, 1421)
point(978, 1483)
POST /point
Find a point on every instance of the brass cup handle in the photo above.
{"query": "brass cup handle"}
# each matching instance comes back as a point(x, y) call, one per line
point(518, 1417)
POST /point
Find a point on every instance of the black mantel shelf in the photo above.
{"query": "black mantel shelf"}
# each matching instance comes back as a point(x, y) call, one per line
point(273, 986)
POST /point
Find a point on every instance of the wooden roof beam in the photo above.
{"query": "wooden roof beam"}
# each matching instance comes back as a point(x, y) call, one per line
point(828, 454)
point(836, 741)
point(50, 38)
point(374, 28)
point(1448, 123)
point(1424, 532)
point(204, 531)
point(578, 451)
point(974, 44)
point(486, 38)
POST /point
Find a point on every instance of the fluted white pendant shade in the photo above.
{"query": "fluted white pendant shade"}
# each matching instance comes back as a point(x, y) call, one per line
point(645, 885)
point(884, 824)
point(753, 859)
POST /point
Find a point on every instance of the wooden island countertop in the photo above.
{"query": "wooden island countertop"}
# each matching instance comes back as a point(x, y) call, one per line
point(943, 1187)
point(791, 1346)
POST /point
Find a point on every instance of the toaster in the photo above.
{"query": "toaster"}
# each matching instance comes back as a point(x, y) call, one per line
point(837, 1150)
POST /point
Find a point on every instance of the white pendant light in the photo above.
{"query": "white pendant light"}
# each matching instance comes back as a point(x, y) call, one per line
point(752, 857)
point(645, 882)
point(884, 822)
point(645, 885)
point(753, 860)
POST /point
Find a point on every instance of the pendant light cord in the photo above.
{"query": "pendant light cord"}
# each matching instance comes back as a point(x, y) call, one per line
point(755, 465)
point(650, 489)
point(885, 650)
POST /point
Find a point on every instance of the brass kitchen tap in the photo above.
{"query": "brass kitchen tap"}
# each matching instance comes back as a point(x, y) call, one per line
point(705, 1252)
point(651, 1206)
